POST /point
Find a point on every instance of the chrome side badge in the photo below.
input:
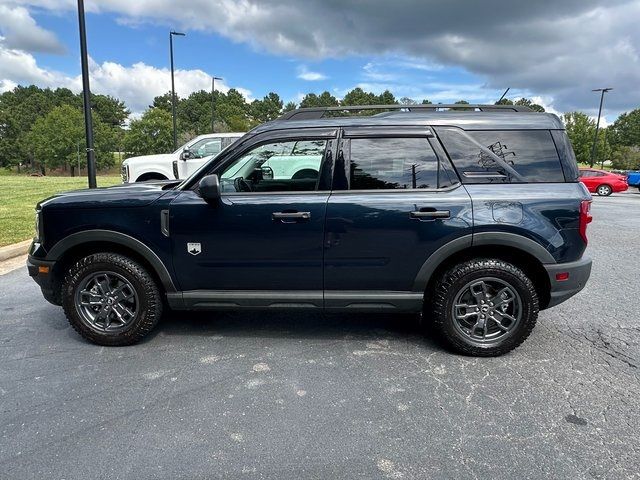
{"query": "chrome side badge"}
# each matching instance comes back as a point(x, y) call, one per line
point(194, 248)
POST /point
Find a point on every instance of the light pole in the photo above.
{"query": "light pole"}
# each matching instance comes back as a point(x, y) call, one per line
point(86, 97)
point(173, 89)
point(213, 102)
point(595, 138)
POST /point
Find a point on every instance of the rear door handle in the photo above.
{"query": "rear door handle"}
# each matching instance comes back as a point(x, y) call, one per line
point(290, 217)
point(429, 213)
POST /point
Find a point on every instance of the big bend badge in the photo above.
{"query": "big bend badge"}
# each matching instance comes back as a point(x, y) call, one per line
point(194, 248)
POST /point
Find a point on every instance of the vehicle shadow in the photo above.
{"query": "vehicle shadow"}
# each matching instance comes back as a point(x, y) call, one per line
point(296, 325)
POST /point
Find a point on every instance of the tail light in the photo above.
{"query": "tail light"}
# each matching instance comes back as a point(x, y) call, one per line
point(585, 218)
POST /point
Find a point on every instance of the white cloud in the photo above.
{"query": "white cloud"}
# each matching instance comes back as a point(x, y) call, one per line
point(136, 85)
point(305, 74)
point(560, 49)
point(20, 31)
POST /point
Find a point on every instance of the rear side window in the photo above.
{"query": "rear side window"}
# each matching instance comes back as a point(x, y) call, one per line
point(394, 163)
point(531, 153)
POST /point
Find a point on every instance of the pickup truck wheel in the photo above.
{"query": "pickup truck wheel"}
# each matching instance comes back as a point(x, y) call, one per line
point(604, 190)
point(110, 299)
point(484, 307)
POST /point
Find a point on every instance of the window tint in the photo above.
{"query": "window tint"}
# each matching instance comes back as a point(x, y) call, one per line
point(206, 147)
point(393, 163)
point(276, 167)
point(531, 153)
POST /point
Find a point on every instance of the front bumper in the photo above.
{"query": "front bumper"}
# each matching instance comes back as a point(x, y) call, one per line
point(42, 273)
point(578, 274)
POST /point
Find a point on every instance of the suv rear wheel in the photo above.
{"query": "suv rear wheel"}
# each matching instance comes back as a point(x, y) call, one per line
point(110, 299)
point(484, 307)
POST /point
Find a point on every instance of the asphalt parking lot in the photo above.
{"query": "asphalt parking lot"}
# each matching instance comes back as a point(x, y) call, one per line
point(307, 396)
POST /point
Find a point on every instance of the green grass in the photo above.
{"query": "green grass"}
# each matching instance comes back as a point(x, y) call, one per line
point(19, 195)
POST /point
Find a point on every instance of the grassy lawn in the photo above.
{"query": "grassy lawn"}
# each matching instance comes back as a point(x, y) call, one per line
point(19, 195)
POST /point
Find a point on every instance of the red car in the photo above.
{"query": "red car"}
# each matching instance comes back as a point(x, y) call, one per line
point(602, 182)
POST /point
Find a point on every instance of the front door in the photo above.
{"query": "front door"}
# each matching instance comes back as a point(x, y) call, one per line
point(261, 244)
point(399, 202)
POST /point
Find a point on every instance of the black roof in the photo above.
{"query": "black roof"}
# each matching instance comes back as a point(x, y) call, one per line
point(468, 120)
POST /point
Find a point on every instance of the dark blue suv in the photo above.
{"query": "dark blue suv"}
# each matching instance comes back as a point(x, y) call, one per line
point(472, 215)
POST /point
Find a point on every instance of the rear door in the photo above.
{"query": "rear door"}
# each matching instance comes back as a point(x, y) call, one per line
point(395, 201)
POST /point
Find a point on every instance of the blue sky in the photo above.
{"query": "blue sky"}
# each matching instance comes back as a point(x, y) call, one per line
point(541, 50)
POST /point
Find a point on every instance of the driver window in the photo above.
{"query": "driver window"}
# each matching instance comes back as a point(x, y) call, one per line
point(291, 166)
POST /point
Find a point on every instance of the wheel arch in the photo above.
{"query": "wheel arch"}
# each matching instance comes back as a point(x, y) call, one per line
point(522, 252)
point(80, 244)
point(151, 176)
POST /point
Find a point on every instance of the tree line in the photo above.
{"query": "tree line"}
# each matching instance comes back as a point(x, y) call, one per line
point(43, 129)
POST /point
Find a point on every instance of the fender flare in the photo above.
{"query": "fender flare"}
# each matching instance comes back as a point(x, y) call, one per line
point(86, 236)
point(477, 239)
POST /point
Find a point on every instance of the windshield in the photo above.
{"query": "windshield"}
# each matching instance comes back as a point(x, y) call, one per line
point(205, 165)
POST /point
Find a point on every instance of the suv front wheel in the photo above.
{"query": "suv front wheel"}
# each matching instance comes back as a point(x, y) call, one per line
point(110, 299)
point(484, 307)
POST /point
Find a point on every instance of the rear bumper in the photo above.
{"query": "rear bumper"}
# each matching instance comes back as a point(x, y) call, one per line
point(578, 274)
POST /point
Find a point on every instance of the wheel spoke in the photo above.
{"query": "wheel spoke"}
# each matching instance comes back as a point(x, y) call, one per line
point(89, 298)
point(479, 291)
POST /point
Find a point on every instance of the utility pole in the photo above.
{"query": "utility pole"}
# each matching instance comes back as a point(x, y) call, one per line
point(173, 89)
point(86, 97)
point(595, 138)
point(213, 102)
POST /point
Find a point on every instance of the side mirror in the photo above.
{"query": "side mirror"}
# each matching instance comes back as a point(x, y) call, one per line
point(186, 154)
point(209, 188)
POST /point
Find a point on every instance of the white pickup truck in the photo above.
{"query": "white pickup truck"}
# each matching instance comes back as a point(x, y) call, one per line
point(179, 164)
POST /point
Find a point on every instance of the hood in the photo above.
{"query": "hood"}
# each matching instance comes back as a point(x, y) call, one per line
point(127, 195)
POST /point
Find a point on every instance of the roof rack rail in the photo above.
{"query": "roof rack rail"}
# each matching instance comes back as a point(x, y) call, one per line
point(312, 113)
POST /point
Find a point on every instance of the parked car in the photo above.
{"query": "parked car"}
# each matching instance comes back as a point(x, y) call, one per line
point(476, 219)
point(633, 179)
point(169, 167)
point(602, 182)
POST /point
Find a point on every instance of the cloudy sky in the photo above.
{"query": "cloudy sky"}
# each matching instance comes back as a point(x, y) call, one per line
point(555, 51)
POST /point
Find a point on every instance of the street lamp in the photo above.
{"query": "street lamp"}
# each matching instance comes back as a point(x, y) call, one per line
point(213, 102)
point(173, 89)
point(595, 138)
point(86, 97)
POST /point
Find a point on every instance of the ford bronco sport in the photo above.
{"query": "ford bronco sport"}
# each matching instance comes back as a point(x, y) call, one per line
point(473, 217)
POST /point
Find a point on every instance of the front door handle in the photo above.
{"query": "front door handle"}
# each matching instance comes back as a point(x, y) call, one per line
point(290, 217)
point(430, 213)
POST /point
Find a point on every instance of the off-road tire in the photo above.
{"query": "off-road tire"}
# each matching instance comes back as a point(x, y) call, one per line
point(452, 281)
point(149, 297)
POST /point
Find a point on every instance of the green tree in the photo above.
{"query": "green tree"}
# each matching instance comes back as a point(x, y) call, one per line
point(580, 129)
point(357, 96)
point(289, 106)
point(151, 134)
point(426, 102)
point(55, 139)
point(162, 102)
point(625, 158)
point(625, 131)
point(269, 108)
point(386, 98)
point(525, 102)
point(111, 111)
point(325, 99)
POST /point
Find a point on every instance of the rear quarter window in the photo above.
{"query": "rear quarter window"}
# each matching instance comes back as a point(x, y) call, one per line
point(531, 153)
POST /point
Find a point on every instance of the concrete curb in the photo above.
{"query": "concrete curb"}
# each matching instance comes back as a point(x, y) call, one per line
point(15, 250)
